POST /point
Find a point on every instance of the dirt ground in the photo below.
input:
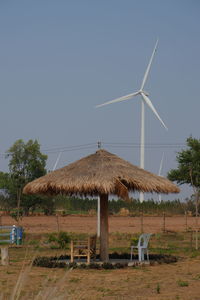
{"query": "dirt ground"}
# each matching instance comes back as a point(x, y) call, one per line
point(160, 282)
point(80, 224)
point(180, 280)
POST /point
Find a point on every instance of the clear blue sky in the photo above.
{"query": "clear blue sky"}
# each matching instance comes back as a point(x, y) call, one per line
point(58, 59)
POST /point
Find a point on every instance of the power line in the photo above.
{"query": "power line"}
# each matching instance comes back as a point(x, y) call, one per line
point(62, 149)
point(68, 147)
point(146, 146)
point(65, 149)
point(133, 144)
point(95, 145)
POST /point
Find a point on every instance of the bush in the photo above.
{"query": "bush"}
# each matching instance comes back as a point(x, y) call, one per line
point(61, 239)
point(182, 283)
point(14, 214)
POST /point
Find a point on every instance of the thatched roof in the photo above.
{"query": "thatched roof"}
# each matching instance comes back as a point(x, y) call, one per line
point(100, 173)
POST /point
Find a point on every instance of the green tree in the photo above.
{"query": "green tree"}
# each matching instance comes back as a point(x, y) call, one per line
point(7, 200)
point(188, 170)
point(26, 164)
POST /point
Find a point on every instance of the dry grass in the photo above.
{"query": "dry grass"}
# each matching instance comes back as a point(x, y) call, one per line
point(134, 283)
point(20, 280)
point(100, 173)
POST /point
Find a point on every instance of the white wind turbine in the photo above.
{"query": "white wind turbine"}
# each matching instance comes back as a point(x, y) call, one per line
point(145, 100)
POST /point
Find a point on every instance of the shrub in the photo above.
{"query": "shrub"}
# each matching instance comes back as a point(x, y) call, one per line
point(182, 283)
point(158, 288)
point(62, 239)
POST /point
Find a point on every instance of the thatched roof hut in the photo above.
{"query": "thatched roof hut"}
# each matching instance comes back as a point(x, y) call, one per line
point(101, 173)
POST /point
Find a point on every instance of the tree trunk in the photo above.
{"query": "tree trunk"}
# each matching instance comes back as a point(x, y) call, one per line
point(104, 256)
point(18, 204)
point(196, 215)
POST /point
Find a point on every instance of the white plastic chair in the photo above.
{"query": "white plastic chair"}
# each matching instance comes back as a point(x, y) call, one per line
point(142, 246)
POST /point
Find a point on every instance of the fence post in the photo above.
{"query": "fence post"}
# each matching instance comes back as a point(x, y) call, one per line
point(163, 221)
point(196, 239)
point(57, 221)
point(186, 223)
point(4, 256)
point(191, 238)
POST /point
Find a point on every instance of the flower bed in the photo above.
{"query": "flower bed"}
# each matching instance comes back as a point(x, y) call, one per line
point(63, 261)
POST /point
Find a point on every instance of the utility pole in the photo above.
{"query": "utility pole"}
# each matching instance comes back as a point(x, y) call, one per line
point(98, 203)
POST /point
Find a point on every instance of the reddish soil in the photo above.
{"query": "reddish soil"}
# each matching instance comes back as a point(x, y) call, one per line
point(79, 224)
point(160, 282)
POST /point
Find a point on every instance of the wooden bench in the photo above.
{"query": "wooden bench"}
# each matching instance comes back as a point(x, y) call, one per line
point(11, 235)
point(84, 248)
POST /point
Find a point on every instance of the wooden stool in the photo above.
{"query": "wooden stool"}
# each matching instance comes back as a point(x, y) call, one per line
point(4, 256)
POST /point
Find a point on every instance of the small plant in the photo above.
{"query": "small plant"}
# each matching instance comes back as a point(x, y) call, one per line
point(197, 277)
point(34, 242)
point(60, 239)
point(52, 237)
point(134, 240)
point(182, 283)
point(158, 288)
point(75, 280)
point(63, 239)
point(14, 214)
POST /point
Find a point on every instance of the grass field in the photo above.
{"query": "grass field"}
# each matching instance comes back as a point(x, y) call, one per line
point(180, 280)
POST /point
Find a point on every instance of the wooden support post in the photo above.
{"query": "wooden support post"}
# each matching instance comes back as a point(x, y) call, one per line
point(4, 256)
point(88, 251)
point(104, 255)
point(72, 251)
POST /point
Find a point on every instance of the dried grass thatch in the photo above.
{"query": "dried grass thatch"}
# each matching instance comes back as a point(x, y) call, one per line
point(100, 173)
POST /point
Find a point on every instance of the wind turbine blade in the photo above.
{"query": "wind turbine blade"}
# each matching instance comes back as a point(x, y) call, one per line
point(161, 165)
point(149, 103)
point(123, 98)
point(57, 160)
point(149, 66)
